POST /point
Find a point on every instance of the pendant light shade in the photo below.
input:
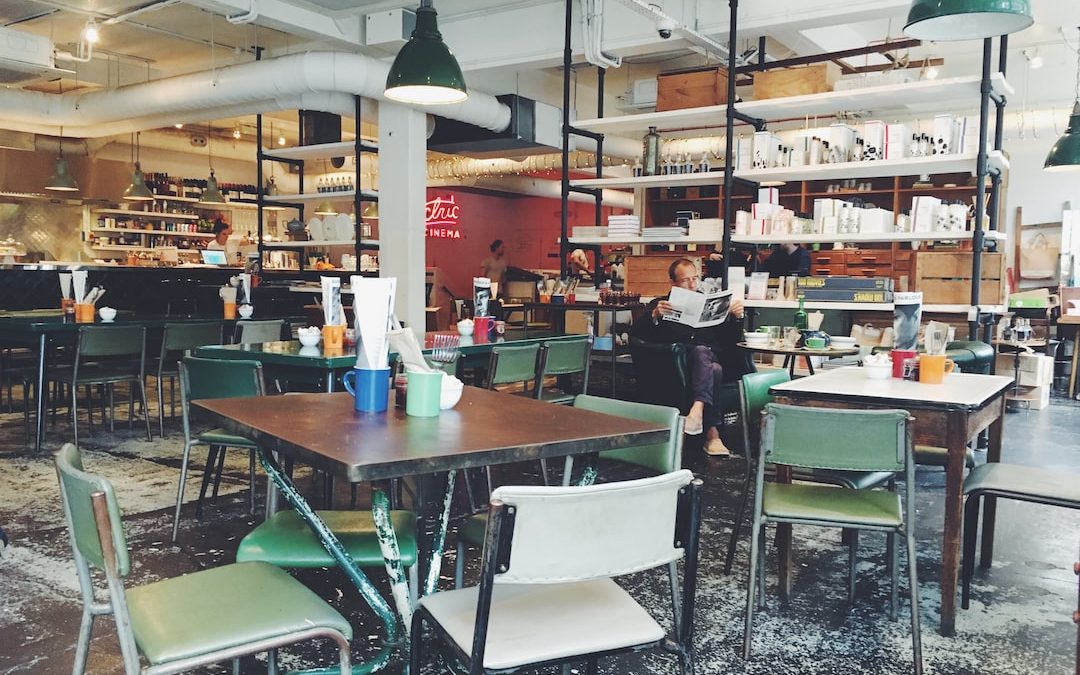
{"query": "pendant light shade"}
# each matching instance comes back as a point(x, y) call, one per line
point(325, 208)
point(211, 194)
point(61, 180)
point(371, 211)
point(1065, 155)
point(946, 20)
point(425, 71)
point(137, 191)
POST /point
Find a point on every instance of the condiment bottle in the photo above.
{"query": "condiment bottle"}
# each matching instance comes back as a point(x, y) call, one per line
point(650, 156)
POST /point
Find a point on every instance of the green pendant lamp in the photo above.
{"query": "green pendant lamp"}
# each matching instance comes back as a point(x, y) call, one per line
point(1065, 155)
point(61, 180)
point(425, 71)
point(137, 191)
point(946, 20)
point(325, 208)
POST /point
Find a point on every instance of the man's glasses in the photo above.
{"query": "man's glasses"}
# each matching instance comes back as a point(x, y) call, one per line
point(687, 281)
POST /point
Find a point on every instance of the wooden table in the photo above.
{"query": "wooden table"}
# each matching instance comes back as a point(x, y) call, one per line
point(1073, 321)
point(41, 329)
point(291, 356)
point(792, 354)
point(946, 415)
point(486, 427)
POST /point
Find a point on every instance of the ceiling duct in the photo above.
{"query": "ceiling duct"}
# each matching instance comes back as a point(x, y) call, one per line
point(534, 128)
point(25, 57)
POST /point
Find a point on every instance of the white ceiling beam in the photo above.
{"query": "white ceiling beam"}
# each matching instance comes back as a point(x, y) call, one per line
point(289, 18)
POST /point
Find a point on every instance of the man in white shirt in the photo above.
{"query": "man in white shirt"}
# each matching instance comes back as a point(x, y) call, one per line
point(220, 242)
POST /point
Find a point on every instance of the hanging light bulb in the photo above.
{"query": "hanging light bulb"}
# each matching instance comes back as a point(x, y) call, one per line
point(281, 140)
point(425, 70)
point(61, 180)
point(325, 208)
point(236, 133)
point(1065, 155)
point(211, 194)
point(137, 191)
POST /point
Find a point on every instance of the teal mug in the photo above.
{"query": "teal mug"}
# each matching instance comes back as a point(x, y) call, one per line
point(424, 391)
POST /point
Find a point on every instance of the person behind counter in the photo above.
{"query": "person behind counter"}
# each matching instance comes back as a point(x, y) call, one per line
point(220, 242)
point(579, 264)
point(711, 352)
point(787, 260)
point(494, 266)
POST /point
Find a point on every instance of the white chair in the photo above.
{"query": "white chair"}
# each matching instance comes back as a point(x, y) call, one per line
point(546, 593)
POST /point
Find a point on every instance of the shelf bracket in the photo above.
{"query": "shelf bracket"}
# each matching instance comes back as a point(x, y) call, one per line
point(587, 134)
point(756, 122)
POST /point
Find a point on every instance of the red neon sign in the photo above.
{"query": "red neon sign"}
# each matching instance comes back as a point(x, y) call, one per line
point(441, 217)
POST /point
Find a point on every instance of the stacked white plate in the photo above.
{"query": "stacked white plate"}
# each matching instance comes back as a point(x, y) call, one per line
point(315, 229)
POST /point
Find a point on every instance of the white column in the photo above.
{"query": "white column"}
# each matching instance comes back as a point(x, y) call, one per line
point(402, 196)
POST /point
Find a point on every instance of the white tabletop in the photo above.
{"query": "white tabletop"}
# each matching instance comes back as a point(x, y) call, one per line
point(958, 389)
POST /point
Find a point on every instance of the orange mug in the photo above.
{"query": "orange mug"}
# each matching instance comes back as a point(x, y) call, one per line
point(933, 367)
point(230, 310)
point(333, 337)
point(84, 313)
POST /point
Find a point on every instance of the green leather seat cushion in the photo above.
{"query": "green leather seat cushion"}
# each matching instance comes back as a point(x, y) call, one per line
point(556, 396)
point(854, 480)
point(472, 530)
point(1025, 482)
point(878, 508)
point(930, 455)
point(222, 437)
point(284, 539)
point(223, 607)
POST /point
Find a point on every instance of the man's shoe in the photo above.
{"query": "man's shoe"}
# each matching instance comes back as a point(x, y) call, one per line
point(716, 448)
point(693, 426)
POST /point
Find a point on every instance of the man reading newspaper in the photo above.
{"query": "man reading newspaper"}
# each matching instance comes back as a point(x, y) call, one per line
point(710, 326)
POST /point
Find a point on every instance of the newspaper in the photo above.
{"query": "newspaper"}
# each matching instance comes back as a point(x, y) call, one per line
point(698, 310)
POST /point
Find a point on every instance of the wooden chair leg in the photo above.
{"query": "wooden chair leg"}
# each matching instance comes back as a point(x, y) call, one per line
point(971, 536)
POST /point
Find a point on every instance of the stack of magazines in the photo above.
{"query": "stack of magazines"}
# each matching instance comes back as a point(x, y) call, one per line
point(623, 226)
point(663, 233)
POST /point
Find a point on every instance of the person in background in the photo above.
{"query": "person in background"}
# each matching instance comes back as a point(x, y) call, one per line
point(711, 352)
point(220, 242)
point(494, 266)
point(787, 260)
point(579, 264)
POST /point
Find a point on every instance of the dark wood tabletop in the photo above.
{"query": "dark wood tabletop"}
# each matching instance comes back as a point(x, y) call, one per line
point(486, 427)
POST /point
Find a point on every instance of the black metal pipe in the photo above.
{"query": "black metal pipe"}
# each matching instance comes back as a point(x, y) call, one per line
point(729, 144)
point(753, 121)
point(587, 134)
point(598, 210)
point(565, 182)
point(358, 149)
point(980, 194)
point(585, 190)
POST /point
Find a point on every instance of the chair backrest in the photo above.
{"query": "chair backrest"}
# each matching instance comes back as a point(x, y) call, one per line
point(661, 372)
point(660, 457)
point(95, 341)
point(183, 336)
point(77, 487)
point(564, 357)
point(753, 395)
point(512, 363)
point(563, 534)
point(219, 378)
point(828, 438)
point(250, 332)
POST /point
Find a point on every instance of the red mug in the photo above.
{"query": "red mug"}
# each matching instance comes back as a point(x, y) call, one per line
point(898, 358)
point(482, 326)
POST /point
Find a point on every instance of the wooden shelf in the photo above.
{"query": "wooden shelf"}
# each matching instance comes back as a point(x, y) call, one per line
point(147, 215)
point(927, 96)
point(866, 306)
point(909, 166)
point(318, 244)
point(320, 196)
point(319, 151)
point(616, 241)
point(125, 247)
point(132, 230)
point(860, 237)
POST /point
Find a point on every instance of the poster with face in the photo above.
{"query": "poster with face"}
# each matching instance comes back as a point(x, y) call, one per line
point(481, 295)
point(907, 315)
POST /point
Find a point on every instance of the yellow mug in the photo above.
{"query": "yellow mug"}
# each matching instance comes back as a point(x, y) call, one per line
point(230, 310)
point(933, 367)
point(333, 337)
point(84, 313)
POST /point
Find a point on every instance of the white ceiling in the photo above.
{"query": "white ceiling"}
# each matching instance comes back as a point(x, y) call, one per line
point(503, 45)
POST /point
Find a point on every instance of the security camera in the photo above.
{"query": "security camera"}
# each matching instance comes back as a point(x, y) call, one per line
point(664, 26)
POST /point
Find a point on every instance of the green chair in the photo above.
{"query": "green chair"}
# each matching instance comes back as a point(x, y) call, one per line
point(107, 356)
point(807, 437)
point(252, 332)
point(563, 357)
point(753, 396)
point(285, 540)
point(1008, 481)
point(513, 364)
point(214, 378)
point(197, 619)
point(176, 339)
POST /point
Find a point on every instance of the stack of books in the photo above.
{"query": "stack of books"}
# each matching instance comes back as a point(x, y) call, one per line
point(846, 289)
point(663, 233)
point(584, 232)
point(623, 226)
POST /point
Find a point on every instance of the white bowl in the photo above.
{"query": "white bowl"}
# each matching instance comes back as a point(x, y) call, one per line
point(842, 342)
point(309, 339)
point(107, 313)
point(465, 327)
point(245, 311)
point(451, 392)
point(757, 339)
point(873, 372)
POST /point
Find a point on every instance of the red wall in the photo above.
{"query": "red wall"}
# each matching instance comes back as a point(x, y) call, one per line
point(529, 226)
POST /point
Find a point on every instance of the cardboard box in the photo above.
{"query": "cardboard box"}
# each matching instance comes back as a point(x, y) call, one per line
point(842, 136)
point(813, 79)
point(766, 149)
point(1035, 370)
point(1032, 398)
point(874, 140)
point(691, 88)
point(744, 153)
point(897, 137)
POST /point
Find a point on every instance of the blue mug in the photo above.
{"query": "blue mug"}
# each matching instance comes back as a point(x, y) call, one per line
point(370, 388)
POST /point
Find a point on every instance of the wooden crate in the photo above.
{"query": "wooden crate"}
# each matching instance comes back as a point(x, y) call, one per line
point(816, 78)
point(691, 88)
point(647, 274)
point(945, 278)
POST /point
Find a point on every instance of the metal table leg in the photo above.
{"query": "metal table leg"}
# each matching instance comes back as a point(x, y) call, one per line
point(39, 395)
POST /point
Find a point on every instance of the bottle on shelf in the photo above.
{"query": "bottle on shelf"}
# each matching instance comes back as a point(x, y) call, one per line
point(815, 151)
point(650, 156)
point(800, 321)
point(637, 168)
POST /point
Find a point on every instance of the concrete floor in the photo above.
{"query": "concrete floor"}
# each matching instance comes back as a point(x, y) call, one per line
point(1019, 621)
